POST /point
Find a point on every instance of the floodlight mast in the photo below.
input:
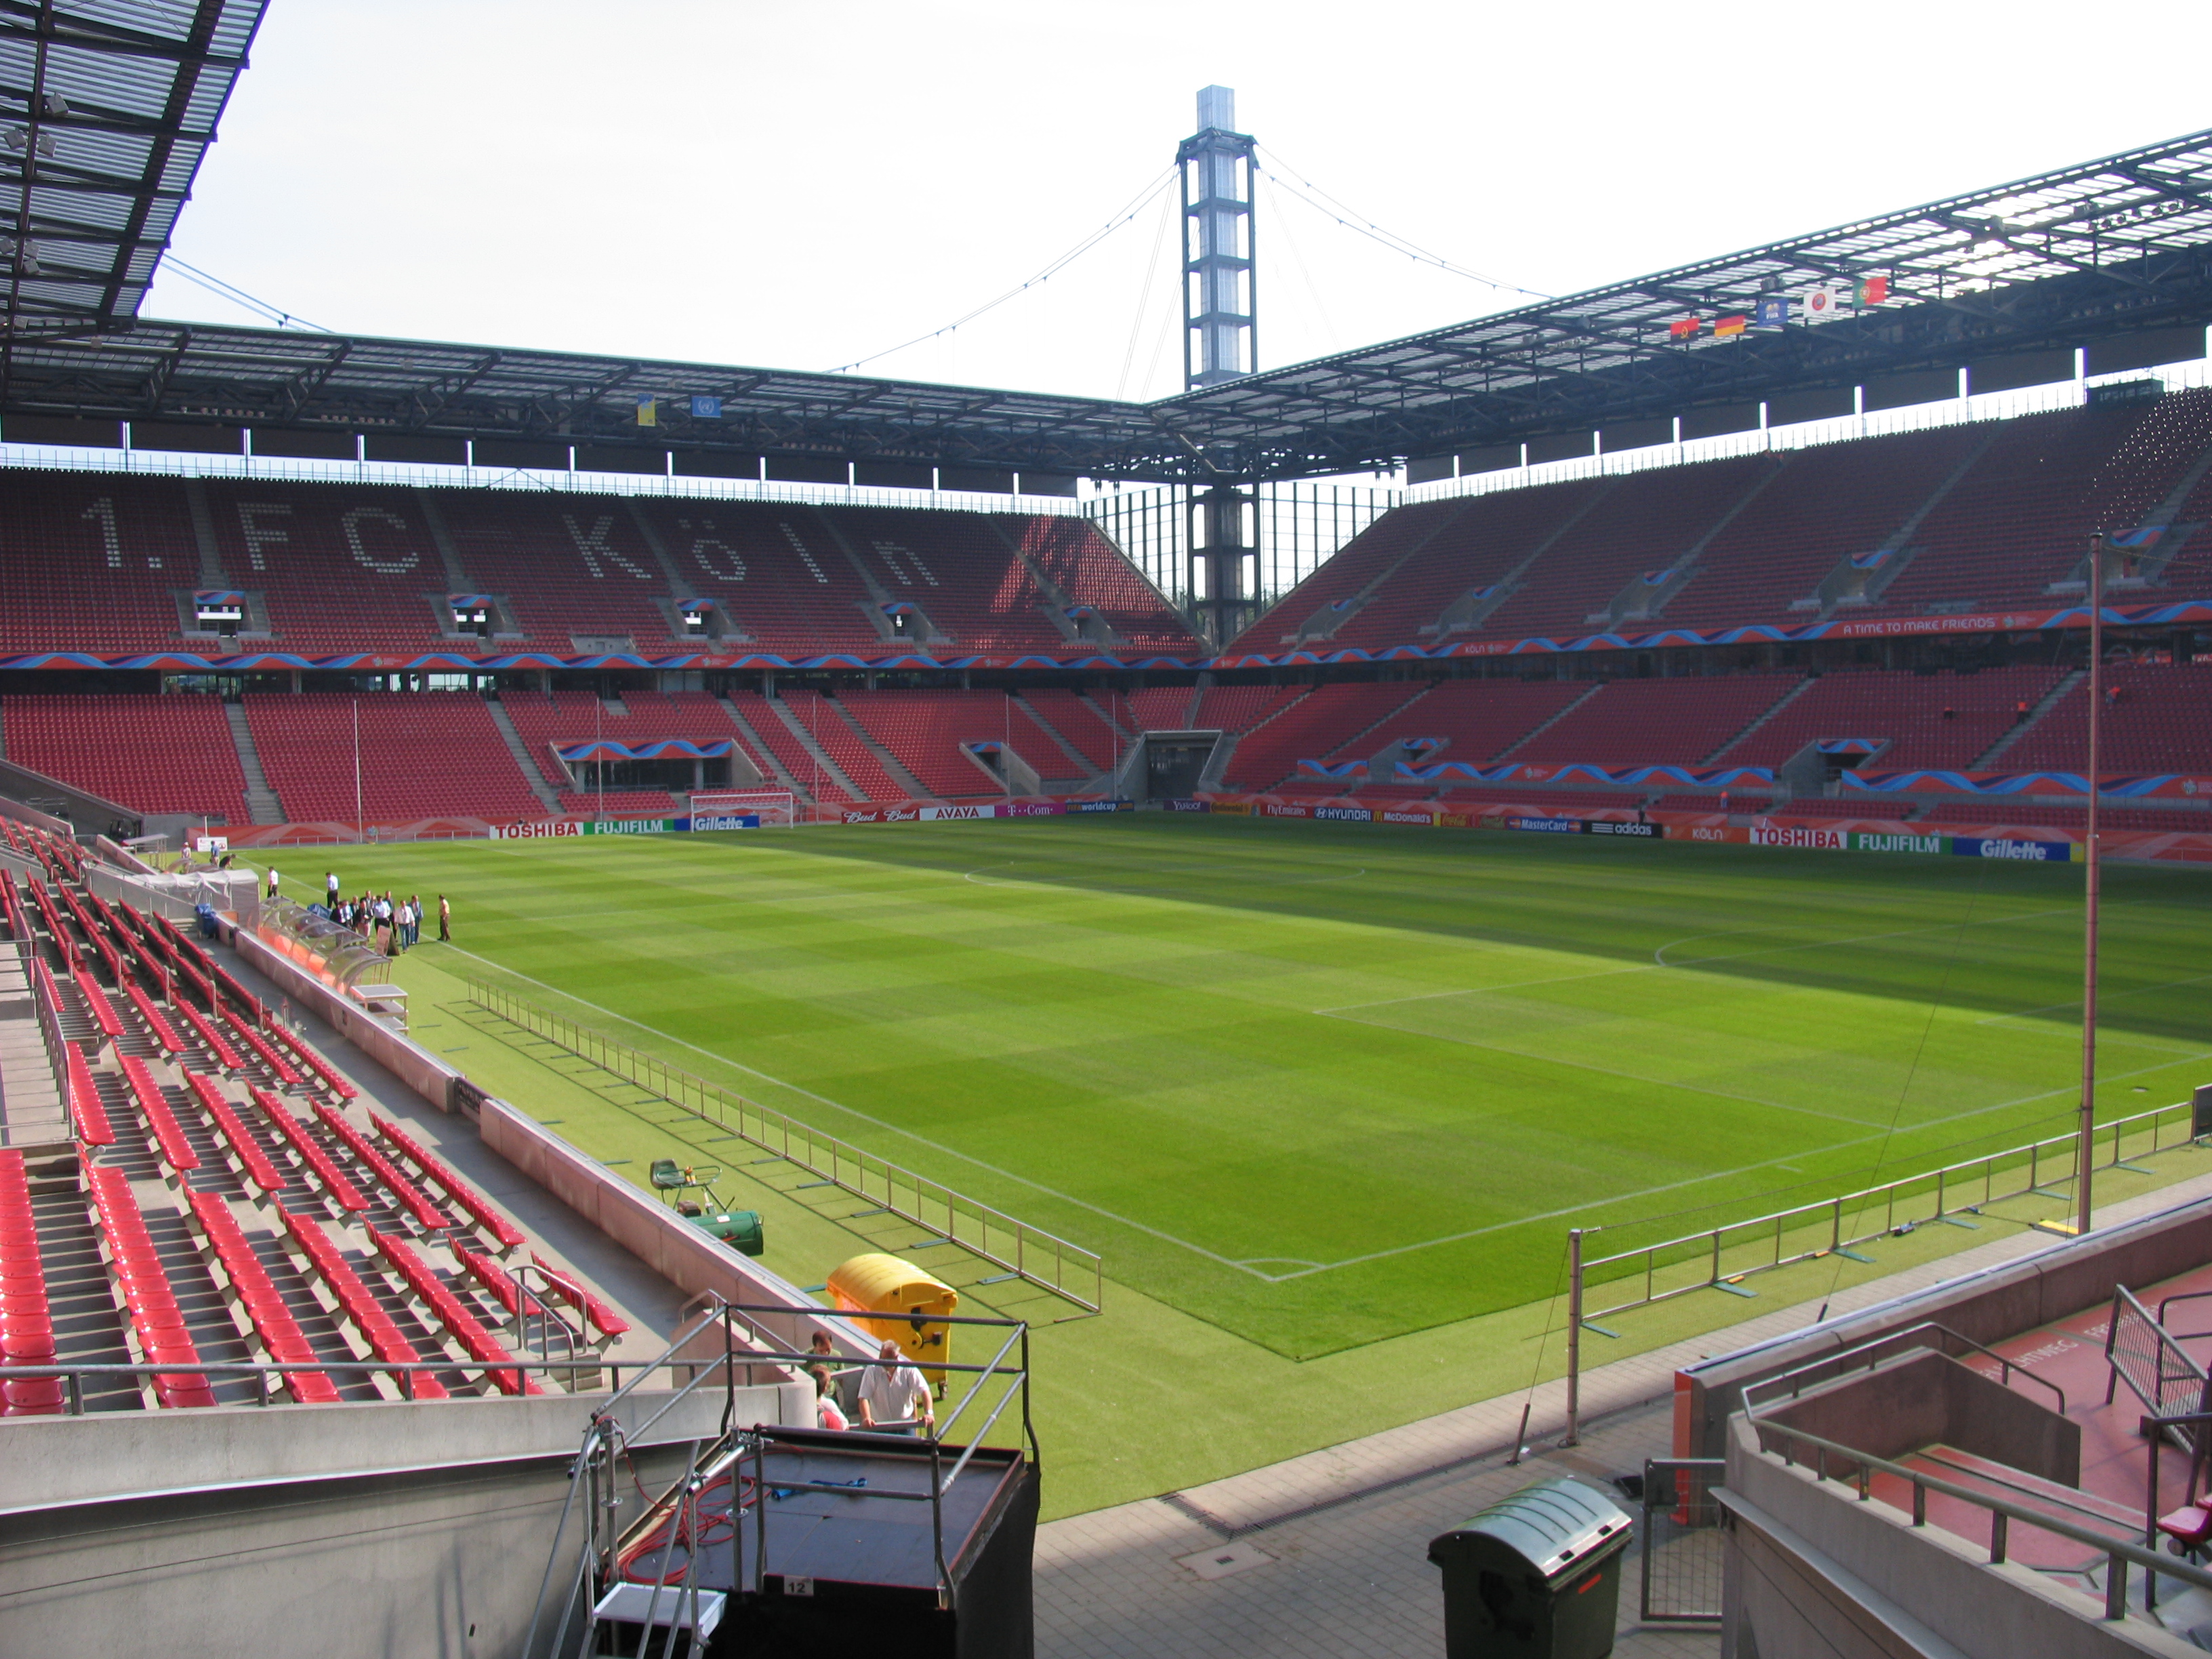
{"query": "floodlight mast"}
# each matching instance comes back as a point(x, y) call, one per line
point(1220, 341)
point(2090, 893)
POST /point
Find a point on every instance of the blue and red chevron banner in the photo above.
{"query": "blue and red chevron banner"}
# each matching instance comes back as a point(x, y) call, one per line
point(2132, 787)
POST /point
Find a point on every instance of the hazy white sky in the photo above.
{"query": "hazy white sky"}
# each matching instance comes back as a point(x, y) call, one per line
point(797, 186)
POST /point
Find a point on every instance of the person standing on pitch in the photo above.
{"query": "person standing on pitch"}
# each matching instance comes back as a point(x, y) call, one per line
point(445, 920)
point(330, 891)
point(272, 882)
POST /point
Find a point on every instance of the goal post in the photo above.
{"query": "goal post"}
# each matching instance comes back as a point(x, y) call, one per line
point(771, 807)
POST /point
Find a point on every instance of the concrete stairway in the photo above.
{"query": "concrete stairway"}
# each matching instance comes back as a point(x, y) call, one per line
point(546, 796)
point(260, 800)
point(1986, 761)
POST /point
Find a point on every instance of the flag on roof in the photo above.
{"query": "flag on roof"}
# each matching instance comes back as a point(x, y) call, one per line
point(1772, 312)
point(705, 409)
point(648, 411)
point(1824, 303)
point(1725, 326)
point(1683, 328)
point(1874, 290)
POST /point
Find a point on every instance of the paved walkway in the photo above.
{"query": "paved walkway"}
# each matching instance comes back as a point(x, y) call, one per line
point(1325, 1554)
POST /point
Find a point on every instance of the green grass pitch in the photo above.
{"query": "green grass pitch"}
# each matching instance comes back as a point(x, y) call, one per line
point(1322, 1086)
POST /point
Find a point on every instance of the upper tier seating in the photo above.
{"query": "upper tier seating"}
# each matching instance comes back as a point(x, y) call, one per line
point(1644, 524)
point(342, 566)
point(172, 754)
point(1481, 543)
point(1829, 502)
point(108, 562)
point(1087, 568)
point(1941, 720)
point(2017, 521)
point(421, 754)
point(93, 561)
point(1779, 524)
point(2157, 718)
point(1677, 722)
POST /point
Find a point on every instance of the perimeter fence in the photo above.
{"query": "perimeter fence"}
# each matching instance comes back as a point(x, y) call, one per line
point(1030, 1253)
point(1717, 1257)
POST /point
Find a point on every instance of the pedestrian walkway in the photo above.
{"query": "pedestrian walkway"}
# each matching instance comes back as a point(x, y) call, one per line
point(1326, 1553)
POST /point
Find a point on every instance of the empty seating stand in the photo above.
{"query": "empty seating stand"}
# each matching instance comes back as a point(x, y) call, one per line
point(27, 1322)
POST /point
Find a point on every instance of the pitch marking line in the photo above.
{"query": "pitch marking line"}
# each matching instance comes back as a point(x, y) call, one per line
point(880, 1123)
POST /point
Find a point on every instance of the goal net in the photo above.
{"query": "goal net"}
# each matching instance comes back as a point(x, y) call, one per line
point(771, 807)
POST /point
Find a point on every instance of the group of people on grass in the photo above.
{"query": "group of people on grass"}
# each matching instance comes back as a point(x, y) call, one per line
point(390, 923)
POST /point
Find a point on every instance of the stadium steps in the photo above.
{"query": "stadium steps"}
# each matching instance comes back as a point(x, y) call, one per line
point(815, 751)
point(1380, 721)
point(1900, 541)
point(88, 1319)
point(513, 738)
point(442, 539)
point(1084, 767)
point(761, 751)
point(1772, 709)
point(1546, 725)
point(261, 802)
point(1986, 761)
point(893, 767)
point(30, 1103)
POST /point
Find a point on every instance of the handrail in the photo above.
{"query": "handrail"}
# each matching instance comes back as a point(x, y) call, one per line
point(1071, 1272)
point(2167, 1347)
point(2009, 1366)
point(2185, 1296)
point(2115, 1550)
point(1963, 1187)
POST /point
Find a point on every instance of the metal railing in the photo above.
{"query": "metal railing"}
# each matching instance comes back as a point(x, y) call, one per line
point(609, 1550)
point(2158, 1370)
point(1682, 1541)
point(1849, 1464)
point(1737, 1249)
point(1067, 1271)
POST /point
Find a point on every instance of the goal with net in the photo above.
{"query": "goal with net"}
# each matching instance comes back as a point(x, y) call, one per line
point(769, 807)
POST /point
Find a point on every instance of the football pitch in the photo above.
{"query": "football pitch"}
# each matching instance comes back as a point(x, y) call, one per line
point(1322, 1085)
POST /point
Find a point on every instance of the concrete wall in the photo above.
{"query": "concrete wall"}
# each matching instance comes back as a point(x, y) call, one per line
point(1804, 1558)
point(1986, 1307)
point(652, 1232)
point(341, 1530)
point(1928, 1398)
point(418, 1067)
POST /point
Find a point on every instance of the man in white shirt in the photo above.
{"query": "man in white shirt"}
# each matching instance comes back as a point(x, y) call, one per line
point(894, 1396)
point(272, 882)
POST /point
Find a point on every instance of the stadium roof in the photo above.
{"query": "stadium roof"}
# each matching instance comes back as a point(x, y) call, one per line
point(106, 107)
point(2118, 247)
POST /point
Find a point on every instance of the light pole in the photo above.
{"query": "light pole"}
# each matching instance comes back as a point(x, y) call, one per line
point(2090, 905)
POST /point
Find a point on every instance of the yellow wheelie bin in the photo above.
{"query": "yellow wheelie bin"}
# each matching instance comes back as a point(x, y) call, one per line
point(870, 1288)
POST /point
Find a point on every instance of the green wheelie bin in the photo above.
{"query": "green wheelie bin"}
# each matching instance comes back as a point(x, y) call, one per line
point(1535, 1575)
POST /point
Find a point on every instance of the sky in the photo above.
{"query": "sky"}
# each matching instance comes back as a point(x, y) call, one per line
point(802, 186)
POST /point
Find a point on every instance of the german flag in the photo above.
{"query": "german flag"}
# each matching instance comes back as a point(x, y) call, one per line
point(1725, 327)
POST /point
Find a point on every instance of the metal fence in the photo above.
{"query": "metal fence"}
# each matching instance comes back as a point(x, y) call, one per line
point(1682, 1541)
point(2158, 1370)
point(1720, 1256)
point(1067, 1271)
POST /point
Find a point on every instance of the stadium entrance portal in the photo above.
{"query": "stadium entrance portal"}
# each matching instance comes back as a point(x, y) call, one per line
point(1174, 762)
point(679, 774)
